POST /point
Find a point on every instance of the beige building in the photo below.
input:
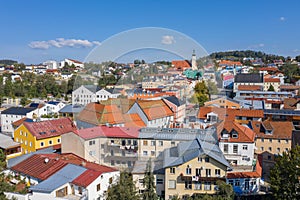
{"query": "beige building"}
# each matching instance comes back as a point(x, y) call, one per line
point(121, 147)
point(223, 102)
point(193, 168)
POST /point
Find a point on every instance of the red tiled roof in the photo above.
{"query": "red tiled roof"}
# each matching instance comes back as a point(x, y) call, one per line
point(36, 165)
point(245, 134)
point(273, 69)
point(289, 87)
point(133, 120)
point(272, 80)
point(50, 128)
point(181, 64)
point(87, 177)
point(19, 122)
point(229, 62)
point(256, 174)
point(75, 61)
point(104, 131)
point(250, 87)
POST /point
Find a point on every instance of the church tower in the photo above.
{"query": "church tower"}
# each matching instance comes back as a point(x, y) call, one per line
point(194, 63)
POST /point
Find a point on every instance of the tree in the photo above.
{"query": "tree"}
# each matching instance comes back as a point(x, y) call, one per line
point(212, 87)
point(284, 176)
point(24, 101)
point(225, 190)
point(124, 189)
point(271, 88)
point(2, 160)
point(201, 94)
point(149, 192)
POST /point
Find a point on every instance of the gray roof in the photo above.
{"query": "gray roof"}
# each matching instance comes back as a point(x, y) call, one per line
point(249, 78)
point(92, 88)
point(71, 109)
point(175, 100)
point(7, 142)
point(17, 111)
point(65, 175)
point(113, 90)
point(140, 166)
point(186, 151)
point(209, 135)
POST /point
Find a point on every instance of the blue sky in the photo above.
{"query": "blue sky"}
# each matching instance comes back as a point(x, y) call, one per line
point(34, 31)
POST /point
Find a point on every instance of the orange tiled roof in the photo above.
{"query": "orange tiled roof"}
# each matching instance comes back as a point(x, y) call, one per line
point(133, 120)
point(290, 103)
point(245, 134)
point(289, 87)
point(229, 62)
point(250, 87)
point(181, 64)
point(273, 69)
point(155, 109)
point(280, 129)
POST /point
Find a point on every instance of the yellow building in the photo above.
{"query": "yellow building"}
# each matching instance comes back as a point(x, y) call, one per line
point(193, 168)
point(37, 135)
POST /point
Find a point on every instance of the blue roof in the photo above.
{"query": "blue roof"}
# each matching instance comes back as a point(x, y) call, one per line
point(17, 111)
point(53, 102)
point(63, 176)
point(71, 109)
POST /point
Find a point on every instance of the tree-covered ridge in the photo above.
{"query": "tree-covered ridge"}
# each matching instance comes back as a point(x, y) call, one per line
point(239, 55)
point(7, 62)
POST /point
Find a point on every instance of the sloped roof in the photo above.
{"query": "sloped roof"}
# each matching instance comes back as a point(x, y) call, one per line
point(92, 88)
point(65, 175)
point(50, 128)
point(133, 120)
point(123, 104)
point(250, 87)
point(174, 100)
point(186, 151)
point(21, 121)
point(155, 109)
point(17, 111)
point(7, 142)
point(290, 103)
point(245, 134)
point(280, 129)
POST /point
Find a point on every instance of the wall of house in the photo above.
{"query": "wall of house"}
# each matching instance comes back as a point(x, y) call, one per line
point(7, 120)
point(52, 195)
point(244, 155)
point(159, 185)
point(27, 140)
point(223, 103)
point(272, 145)
point(207, 184)
point(72, 143)
point(247, 185)
point(84, 95)
point(47, 142)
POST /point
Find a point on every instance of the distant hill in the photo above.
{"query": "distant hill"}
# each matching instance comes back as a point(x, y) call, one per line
point(8, 62)
point(239, 55)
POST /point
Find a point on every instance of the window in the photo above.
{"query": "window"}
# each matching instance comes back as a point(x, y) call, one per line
point(206, 159)
point(269, 157)
point(30, 144)
point(25, 142)
point(152, 143)
point(230, 182)
point(172, 144)
point(188, 170)
point(286, 141)
point(198, 171)
point(112, 163)
point(112, 152)
point(123, 142)
point(50, 142)
point(197, 185)
point(172, 184)
point(172, 170)
point(217, 172)
point(145, 143)
point(92, 142)
point(270, 140)
point(58, 140)
point(270, 148)
point(262, 139)
point(25, 134)
point(188, 185)
point(159, 181)
point(98, 187)
point(278, 149)
point(286, 149)
point(42, 144)
point(141, 181)
point(237, 183)
point(225, 148)
point(92, 153)
point(145, 153)
point(208, 172)
point(199, 159)
point(129, 164)
point(207, 186)
point(244, 158)
point(279, 141)
point(245, 147)
point(21, 132)
point(161, 143)
point(235, 148)
point(152, 153)
point(261, 148)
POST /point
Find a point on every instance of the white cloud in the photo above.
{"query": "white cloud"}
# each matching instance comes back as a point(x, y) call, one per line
point(256, 46)
point(61, 42)
point(282, 19)
point(167, 39)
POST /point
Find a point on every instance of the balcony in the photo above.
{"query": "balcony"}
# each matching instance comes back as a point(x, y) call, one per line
point(200, 178)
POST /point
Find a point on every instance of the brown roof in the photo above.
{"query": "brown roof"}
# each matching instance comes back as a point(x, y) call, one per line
point(181, 64)
point(155, 109)
point(272, 80)
point(289, 87)
point(280, 129)
point(290, 103)
point(250, 87)
point(50, 128)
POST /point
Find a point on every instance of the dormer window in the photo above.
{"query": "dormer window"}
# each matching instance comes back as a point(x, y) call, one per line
point(234, 134)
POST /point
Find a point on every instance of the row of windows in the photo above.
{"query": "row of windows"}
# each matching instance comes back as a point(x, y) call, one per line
point(188, 171)
point(49, 142)
point(189, 185)
point(270, 149)
point(271, 140)
point(117, 162)
point(153, 143)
